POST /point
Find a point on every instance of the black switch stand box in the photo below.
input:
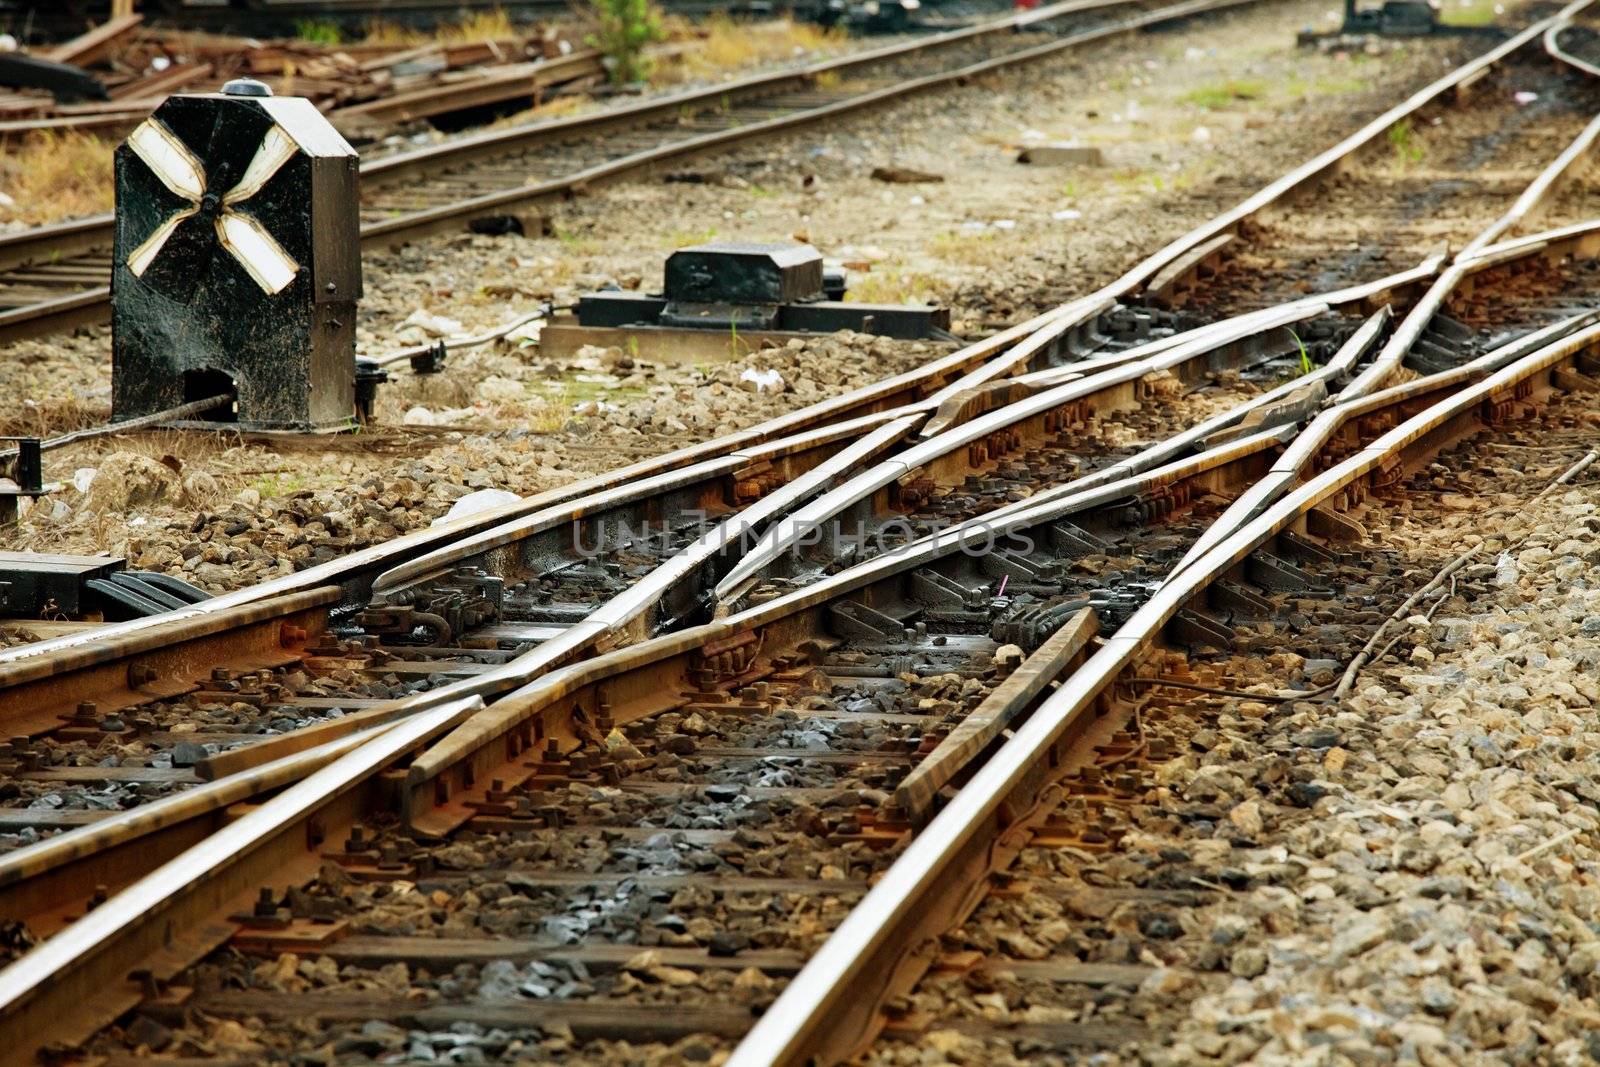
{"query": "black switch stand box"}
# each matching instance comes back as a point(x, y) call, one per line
point(755, 287)
point(237, 263)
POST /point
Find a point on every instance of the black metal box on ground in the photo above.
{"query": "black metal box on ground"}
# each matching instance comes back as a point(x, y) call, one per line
point(237, 261)
point(37, 585)
point(733, 273)
point(754, 287)
point(33, 583)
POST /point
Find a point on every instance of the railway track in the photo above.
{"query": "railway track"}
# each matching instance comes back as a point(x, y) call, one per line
point(779, 788)
point(1124, 952)
point(583, 618)
point(1037, 345)
point(55, 277)
point(745, 795)
point(266, 18)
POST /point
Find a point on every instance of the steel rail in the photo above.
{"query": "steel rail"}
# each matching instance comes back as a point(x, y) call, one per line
point(636, 614)
point(1341, 414)
point(58, 240)
point(505, 534)
point(116, 668)
point(42, 884)
point(493, 144)
point(304, 738)
point(1534, 197)
point(1291, 401)
point(1260, 440)
point(1552, 47)
point(480, 747)
point(93, 305)
point(422, 223)
point(513, 711)
point(1169, 352)
point(1287, 472)
point(1110, 390)
point(875, 947)
point(1579, 238)
point(1393, 289)
point(94, 231)
point(668, 590)
point(1075, 315)
point(1474, 257)
point(608, 627)
point(638, 680)
point(354, 571)
point(626, 619)
point(1079, 381)
point(79, 980)
point(588, 637)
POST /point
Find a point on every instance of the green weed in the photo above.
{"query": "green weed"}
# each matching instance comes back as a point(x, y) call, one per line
point(624, 29)
point(1306, 366)
point(271, 486)
point(1222, 94)
point(1468, 13)
point(1402, 138)
point(317, 31)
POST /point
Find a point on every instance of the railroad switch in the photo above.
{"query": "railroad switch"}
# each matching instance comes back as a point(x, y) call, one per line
point(237, 262)
point(754, 291)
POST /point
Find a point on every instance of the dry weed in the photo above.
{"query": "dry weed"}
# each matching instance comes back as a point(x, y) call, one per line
point(720, 44)
point(492, 25)
point(49, 176)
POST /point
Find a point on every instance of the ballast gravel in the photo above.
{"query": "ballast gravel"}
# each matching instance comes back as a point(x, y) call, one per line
point(1439, 904)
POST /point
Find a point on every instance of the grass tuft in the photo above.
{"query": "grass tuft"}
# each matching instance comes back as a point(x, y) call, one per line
point(317, 31)
point(50, 176)
point(1223, 94)
point(721, 44)
point(1468, 13)
point(1403, 139)
point(493, 25)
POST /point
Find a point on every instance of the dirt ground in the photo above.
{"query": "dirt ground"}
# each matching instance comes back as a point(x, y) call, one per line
point(1190, 120)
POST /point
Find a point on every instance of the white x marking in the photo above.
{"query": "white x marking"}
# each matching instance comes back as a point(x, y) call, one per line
point(240, 233)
